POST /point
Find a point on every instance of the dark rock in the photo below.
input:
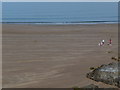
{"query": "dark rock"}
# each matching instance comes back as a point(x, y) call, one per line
point(108, 74)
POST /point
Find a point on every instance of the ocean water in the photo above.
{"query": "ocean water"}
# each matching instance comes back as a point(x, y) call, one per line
point(59, 12)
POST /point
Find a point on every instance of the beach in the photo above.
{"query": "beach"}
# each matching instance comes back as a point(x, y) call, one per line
point(55, 56)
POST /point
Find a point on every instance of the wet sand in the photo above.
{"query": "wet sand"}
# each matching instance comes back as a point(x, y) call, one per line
point(55, 56)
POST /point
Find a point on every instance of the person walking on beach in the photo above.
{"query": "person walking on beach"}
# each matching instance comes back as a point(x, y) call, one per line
point(110, 42)
point(103, 42)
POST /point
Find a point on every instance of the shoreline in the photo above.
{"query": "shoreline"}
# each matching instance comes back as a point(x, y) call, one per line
point(60, 24)
point(31, 23)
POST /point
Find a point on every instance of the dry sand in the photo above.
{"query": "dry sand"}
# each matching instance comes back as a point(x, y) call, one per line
point(55, 56)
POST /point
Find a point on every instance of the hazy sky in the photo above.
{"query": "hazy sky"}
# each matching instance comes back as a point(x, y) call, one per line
point(59, 0)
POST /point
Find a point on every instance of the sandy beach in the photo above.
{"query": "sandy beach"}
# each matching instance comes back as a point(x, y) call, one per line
point(55, 56)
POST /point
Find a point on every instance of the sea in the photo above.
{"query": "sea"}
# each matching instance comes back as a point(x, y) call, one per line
point(59, 12)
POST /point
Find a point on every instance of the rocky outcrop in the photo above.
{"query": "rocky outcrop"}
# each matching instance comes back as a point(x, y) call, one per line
point(108, 74)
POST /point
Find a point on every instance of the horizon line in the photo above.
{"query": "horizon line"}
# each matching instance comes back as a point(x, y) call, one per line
point(59, 0)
